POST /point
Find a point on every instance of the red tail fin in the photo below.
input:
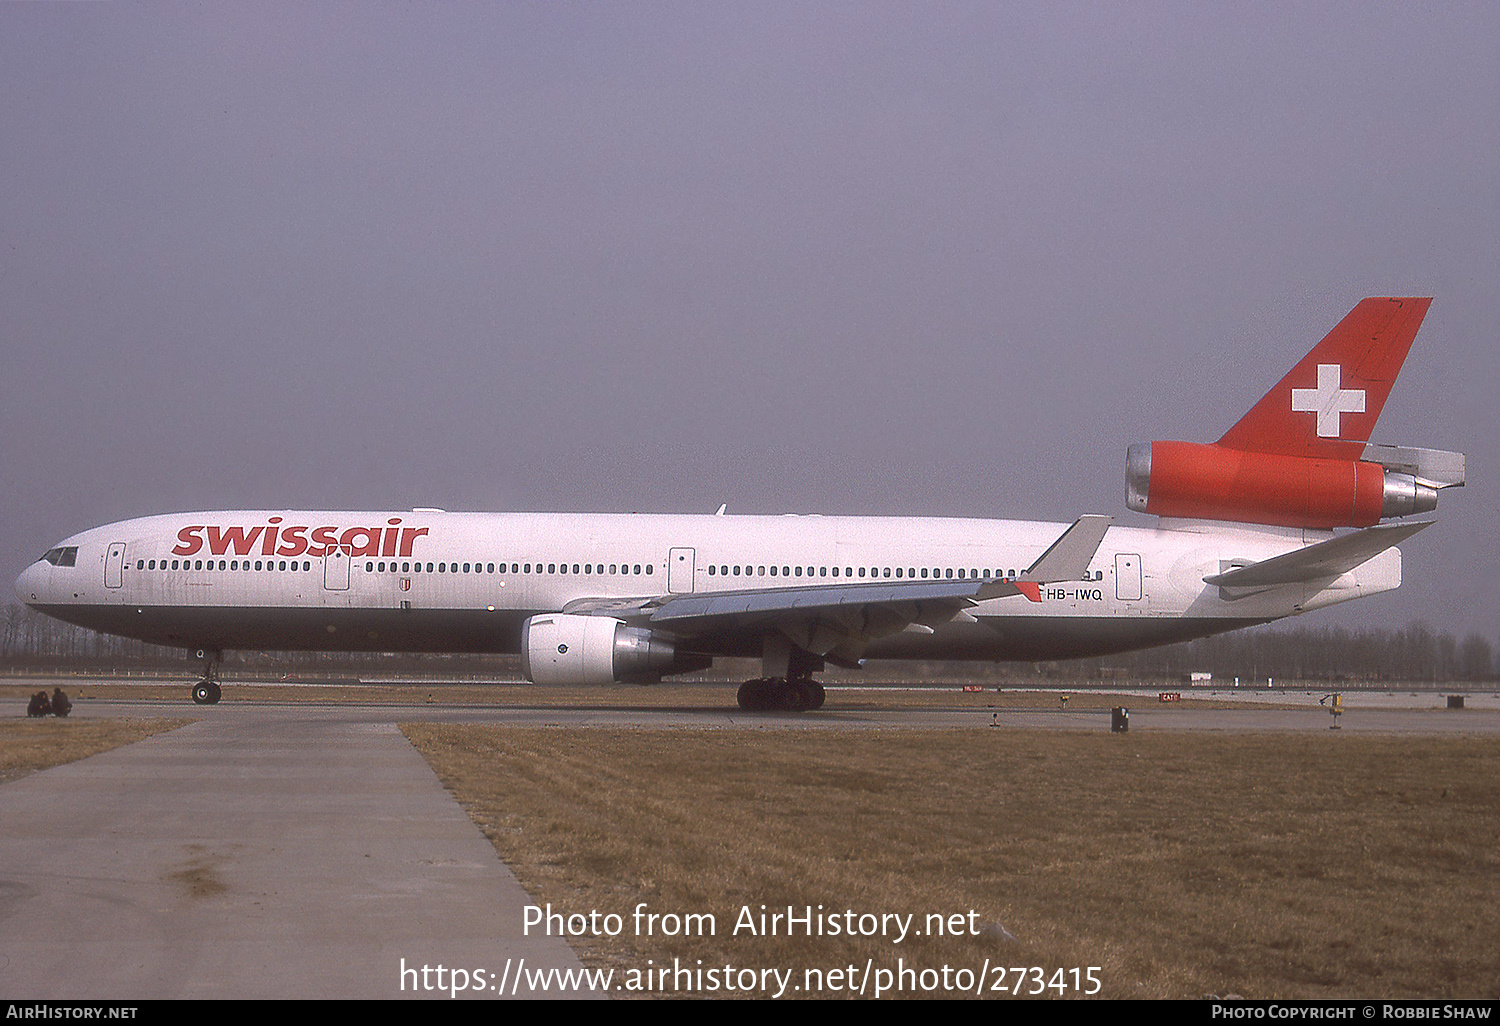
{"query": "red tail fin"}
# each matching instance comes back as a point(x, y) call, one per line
point(1327, 405)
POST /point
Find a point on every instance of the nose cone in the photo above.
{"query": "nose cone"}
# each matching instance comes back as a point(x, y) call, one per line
point(30, 586)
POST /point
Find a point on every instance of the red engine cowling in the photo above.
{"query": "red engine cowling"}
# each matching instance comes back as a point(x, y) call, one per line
point(1213, 482)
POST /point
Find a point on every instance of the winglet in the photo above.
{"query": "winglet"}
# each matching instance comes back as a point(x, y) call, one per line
point(1068, 557)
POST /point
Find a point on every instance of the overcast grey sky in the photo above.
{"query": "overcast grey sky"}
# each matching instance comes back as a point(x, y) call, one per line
point(841, 258)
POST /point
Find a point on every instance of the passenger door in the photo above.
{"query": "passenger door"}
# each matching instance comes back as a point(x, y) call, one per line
point(114, 565)
point(680, 571)
point(336, 569)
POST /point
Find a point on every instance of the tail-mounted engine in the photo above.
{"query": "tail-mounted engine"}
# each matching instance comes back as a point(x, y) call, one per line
point(566, 648)
point(1215, 482)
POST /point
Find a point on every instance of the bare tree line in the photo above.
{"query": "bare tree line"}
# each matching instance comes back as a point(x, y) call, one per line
point(1413, 653)
point(32, 641)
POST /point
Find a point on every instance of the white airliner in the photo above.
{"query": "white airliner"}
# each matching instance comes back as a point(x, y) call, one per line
point(1246, 533)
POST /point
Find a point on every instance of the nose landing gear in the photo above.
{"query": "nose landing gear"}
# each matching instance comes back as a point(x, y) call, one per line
point(207, 691)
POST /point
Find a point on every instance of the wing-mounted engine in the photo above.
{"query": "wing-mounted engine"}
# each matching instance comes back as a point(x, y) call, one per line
point(1214, 482)
point(568, 648)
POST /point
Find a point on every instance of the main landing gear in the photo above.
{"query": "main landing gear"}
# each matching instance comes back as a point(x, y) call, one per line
point(206, 691)
point(772, 693)
point(787, 684)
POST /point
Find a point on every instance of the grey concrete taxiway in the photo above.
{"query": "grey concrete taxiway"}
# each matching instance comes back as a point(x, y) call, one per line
point(306, 850)
point(255, 856)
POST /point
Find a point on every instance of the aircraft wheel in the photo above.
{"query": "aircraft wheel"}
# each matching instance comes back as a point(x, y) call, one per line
point(206, 692)
point(816, 695)
point(791, 695)
point(754, 696)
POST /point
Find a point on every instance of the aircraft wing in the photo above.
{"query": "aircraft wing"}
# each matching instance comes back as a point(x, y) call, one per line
point(844, 617)
point(1325, 559)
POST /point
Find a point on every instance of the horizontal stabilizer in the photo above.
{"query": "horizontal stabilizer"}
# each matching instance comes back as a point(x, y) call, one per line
point(1431, 467)
point(1325, 559)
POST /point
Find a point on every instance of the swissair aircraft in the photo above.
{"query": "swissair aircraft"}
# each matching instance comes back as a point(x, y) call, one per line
point(1246, 534)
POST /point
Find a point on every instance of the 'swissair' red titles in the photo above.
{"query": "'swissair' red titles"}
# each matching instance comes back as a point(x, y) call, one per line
point(275, 540)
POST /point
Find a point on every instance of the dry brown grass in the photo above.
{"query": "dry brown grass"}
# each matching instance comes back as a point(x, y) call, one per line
point(29, 745)
point(1263, 865)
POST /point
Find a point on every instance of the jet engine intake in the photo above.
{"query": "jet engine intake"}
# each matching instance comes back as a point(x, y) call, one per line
point(567, 648)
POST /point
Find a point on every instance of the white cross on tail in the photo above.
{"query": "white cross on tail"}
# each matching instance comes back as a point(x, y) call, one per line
point(1328, 400)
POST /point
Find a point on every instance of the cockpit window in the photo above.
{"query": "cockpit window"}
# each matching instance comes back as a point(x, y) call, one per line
point(66, 555)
